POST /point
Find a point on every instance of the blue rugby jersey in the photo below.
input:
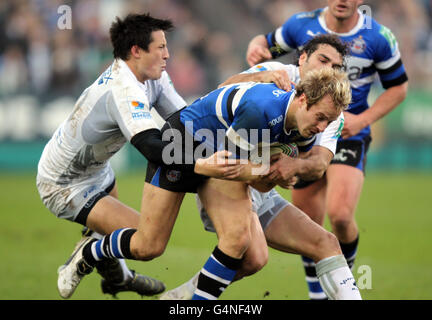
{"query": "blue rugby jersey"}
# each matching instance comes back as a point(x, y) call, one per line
point(374, 49)
point(235, 109)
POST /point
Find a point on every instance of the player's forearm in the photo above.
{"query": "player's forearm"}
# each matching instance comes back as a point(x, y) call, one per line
point(259, 40)
point(238, 78)
point(312, 168)
point(385, 103)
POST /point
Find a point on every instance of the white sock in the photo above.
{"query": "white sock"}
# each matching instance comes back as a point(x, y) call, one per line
point(336, 279)
point(127, 274)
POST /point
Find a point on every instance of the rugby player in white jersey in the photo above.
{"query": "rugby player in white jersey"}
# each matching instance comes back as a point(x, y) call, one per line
point(287, 228)
point(75, 180)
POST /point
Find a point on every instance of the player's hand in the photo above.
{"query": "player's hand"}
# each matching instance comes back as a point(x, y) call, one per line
point(353, 124)
point(257, 53)
point(219, 165)
point(283, 169)
point(278, 77)
point(288, 184)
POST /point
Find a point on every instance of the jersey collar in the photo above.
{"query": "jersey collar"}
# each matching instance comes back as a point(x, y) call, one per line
point(352, 32)
point(124, 66)
point(293, 93)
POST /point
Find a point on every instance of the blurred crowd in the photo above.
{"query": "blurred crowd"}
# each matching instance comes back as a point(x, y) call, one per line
point(208, 44)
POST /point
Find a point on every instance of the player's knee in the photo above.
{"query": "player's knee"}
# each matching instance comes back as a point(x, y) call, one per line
point(340, 223)
point(326, 244)
point(237, 242)
point(256, 264)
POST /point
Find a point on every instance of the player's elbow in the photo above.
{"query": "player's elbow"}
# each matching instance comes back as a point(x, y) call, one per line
point(400, 91)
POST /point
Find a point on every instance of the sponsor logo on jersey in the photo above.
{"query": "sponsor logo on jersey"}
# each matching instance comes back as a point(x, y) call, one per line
point(105, 76)
point(90, 190)
point(358, 45)
point(279, 92)
point(339, 130)
point(138, 105)
point(138, 110)
point(386, 32)
point(310, 33)
point(275, 121)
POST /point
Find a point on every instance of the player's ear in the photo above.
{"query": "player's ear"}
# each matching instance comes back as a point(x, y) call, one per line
point(303, 100)
point(303, 57)
point(135, 51)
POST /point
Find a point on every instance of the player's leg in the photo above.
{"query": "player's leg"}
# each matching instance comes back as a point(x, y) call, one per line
point(310, 198)
point(229, 207)
point(293, 231)
point(344, 189)
point(159, 211)
point(345, 177)
point(116, 276)
point(256, 255)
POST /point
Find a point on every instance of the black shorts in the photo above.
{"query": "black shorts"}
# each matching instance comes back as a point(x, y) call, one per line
point(349, 152)
point(83, 214)
point(181, 178)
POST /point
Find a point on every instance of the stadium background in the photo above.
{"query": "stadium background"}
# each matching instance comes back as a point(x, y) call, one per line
point(43, 69)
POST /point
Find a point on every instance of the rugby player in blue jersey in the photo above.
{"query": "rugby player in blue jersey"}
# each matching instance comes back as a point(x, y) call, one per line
point(236, 111)
point(374, 49)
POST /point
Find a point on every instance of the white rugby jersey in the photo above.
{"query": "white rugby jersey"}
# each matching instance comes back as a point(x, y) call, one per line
point(107, 115)
point(328, 138)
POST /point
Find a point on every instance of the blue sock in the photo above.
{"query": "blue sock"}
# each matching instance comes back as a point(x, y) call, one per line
point(217, 273)
point(315, 290)
point(114, 245)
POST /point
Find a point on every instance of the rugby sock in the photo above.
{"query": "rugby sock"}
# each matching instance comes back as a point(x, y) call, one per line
point(315, 290)
point(349, 250)
point(114, 245)
point(217, 273)
point(337, 279)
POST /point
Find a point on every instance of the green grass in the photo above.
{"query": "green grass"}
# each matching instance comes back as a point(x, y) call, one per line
point(394, 217)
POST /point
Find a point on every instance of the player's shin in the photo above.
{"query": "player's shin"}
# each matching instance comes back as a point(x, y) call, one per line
point(336, 279)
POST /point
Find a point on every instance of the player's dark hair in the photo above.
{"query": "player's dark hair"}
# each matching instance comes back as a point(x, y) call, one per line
point(135, 29)
point(329, 39)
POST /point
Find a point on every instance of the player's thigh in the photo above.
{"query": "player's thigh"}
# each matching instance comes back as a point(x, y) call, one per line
point(159, 210)
point(229, 207)
point(109, 214)
point(344, 186)
point(294, 232)
point(311, 199)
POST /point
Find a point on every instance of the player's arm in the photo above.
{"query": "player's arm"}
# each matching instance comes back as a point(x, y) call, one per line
point(258, 50)
point(151, 145)
point(388, 63)
point(385, 103)
point(278, 77)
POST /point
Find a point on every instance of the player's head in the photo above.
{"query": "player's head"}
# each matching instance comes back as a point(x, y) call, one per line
point(343, 9)
point(325, 50)
point(140, 38)
point(322, 95)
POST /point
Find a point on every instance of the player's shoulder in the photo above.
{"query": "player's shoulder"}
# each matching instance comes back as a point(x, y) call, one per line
point(378, 33)
point(307, 15)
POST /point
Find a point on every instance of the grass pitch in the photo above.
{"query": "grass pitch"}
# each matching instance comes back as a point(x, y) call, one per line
point(394, 217)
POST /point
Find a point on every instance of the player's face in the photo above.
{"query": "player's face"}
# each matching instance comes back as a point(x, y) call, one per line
point(324, 56)
point(315, 119)
point(153, 62)
point(343, 9)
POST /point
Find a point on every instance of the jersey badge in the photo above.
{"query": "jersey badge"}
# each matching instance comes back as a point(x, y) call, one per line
point(358, 45)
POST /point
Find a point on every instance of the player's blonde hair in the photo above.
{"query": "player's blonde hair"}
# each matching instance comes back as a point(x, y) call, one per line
point(326, 81)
